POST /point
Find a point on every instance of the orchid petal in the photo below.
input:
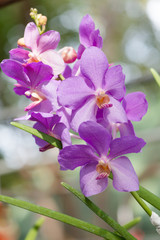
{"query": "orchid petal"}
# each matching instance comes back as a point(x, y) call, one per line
point(31, 35)
point(85, 113)
point(75, 156)
point(73, 92)
point(124, 145)
point(135, 105)
point(86, 27)
point(124, 176)
point(94, 65)
point(48, 40)
point(88, 182)
point(96, 136)
point(19, 54)
point(114, 82)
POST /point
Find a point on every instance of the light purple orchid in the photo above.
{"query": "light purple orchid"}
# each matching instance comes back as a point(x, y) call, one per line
point(42, 49)
point(98, 87)
point(101, 157)
point(88, 36)
point(51, 125)
point(135, 106)
point(33, 81)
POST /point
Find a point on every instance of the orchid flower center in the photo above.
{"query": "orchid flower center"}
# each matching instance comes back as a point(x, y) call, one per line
point(33, 58)
point(103, 168)
point(35, 97)
point(102, 99)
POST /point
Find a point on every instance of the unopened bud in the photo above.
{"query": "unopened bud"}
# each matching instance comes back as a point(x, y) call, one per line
point(42, 20)
point(21, 43)
point(68, 54)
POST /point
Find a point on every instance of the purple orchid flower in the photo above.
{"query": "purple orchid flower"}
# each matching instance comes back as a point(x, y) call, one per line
point(135, 106)
point(88, 36)
point(101, 157)
point(42, 49)
point(98, 87)
point(51, 125)
point(33, 81)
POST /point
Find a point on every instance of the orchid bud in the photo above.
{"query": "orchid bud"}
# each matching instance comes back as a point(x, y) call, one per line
point(42, 20)
point(68, 54)
point(21, 43)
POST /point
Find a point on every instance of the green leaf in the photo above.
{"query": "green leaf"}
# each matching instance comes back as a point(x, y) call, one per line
point(62, 217)
point(32, 234)
point(156, 76)
point(53, 141)
point(110, 221)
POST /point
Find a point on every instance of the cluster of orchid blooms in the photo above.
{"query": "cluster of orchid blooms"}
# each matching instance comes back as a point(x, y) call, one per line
point(88, 102)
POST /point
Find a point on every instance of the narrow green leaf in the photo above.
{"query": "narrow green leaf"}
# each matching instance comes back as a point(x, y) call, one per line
point(155, 75)
point(142, 203)
point(132, 223)
point(149, 197)
point(61, 217)
point(53, 141)
point(32, 234)
point(110, 221)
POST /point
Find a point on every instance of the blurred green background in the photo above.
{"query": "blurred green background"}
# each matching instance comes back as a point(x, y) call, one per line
point(131, 33)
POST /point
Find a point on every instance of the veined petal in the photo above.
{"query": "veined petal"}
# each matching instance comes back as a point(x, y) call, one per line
point(88, 182)
point(95, 39)
point(53, 59)
point(135, 105)
point(85, 29)
point(116, 113)
point(73, 92)
point(96, 136)
point(61, 131)
point(15, 70)
point(38, 73)
point(75, 156)
point(124, 176)
point(19, 54)
point(48, 40)
point(124, 145)
point(31, 35)
point(126, 129)
point(84, 113)
point(94, 65)
point(114, 82)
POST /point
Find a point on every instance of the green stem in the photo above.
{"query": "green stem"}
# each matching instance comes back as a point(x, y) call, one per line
point(142, 203)
point(61, 217)
point(53, 141)
point(116, 226)
point(149, 197)
point(32, 234)
point(132, 223)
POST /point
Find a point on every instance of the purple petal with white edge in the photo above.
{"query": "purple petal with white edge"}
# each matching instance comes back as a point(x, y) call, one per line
point(48, 40)
point(124, 145)
point(31, 35)
point(73, 91)
point(75, 156)
point(95, 39)
point(88, 182)
point(135, 105)
point(94, 65)
point(115, 113)
point(126, 129)
point(61, 132)
point(54, 60)
point(19, 54)
point(85, 113)
point(114, 82)
point(38, 73)
point(15, 70)
point(85, 29)
point(96, 136)
point(124, 176)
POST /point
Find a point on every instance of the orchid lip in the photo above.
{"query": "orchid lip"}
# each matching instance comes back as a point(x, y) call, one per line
point(103, 168)
point(102, 99)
